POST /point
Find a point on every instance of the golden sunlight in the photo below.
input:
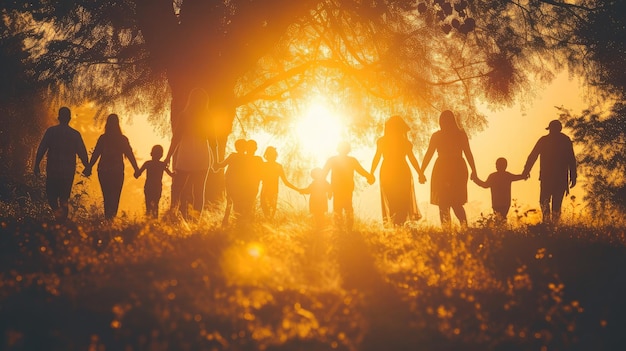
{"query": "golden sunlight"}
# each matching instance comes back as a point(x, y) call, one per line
point(318, 131)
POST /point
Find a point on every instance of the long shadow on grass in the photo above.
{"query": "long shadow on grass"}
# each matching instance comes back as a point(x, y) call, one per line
point(389, 318)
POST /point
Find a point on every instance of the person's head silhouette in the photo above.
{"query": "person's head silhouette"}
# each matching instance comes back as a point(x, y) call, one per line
point(270, 154)
point(64, 115)
point(501, 164)
point(240, 145)
point(157, 152)
point(251, 147)
point(112, 125)
point(317, 173)
point(554, 126)
point(447, 121)
point(344, 148)
point(396, 126)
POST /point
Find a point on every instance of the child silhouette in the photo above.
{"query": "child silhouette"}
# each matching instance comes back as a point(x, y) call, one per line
point(342, 168)
point(320, 192)
point(272, 172)
point(154, 180)
point(500, 184)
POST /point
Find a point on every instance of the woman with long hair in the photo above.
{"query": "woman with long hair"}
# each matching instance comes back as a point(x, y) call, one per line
point(449, 177)
point(189, 150)
point(397, 193)
point(111, 148)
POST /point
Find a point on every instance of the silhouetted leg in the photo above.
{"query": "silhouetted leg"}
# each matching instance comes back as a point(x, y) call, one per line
point(557, 201)
point(501, 213)
point(178, 184)
point(444, 216)
point(459, 212)
point(65, 189)
point(544, 202)
point(111, 184)
point(199, 182)
point(52, 194)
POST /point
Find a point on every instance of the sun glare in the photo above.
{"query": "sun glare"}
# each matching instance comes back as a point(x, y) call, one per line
point(318, 131)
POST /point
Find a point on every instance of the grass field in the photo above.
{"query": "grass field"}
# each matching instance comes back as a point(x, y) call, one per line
point(280, 285)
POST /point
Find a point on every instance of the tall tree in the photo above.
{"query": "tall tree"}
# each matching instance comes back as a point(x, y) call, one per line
point(601, 129)
point(378, 57)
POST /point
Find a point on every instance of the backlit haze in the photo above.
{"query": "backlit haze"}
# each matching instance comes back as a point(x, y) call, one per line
point(511, 133)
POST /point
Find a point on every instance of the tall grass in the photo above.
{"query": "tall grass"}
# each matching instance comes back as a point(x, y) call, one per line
point(281, 284)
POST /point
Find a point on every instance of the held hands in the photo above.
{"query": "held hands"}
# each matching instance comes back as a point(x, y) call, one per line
point(87, 171)
point(422, 178)
point(371, 179)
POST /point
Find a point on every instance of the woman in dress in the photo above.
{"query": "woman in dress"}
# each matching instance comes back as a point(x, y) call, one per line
point(189, 150)
point(449, 178)
point(111, 148)
point(397, 192)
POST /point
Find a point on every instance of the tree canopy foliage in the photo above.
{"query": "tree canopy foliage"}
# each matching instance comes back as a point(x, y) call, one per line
point(601, 128)
point(261, 60)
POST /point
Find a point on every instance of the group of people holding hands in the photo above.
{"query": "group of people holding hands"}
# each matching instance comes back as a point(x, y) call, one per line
point(246, 173)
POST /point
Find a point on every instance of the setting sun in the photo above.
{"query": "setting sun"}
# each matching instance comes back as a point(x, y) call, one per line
point(318, 131)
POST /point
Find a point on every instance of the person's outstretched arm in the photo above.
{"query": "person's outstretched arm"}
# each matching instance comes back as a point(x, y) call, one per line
point(360, 170)
point(532, 157)
point(81, 151)
point(128, 152)
point(41, 151)
point(140, 170)
point(468, 154)
point(427, 157)
point(376, 159)
point(282, 176)
point(97, 152)
point(480, 182)
point(415, 163)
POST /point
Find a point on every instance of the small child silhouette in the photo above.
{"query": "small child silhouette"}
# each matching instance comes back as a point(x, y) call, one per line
point(154, 180)
point(320, 192)
point(272, 172)
point(500, 184)
point(342, 168)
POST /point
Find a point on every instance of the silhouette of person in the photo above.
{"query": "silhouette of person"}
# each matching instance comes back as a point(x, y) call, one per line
point(61, 144)
point(500, 184)
point(191, 155)
point(111, 148)
point(342, 168)
point(233, 178)
point(272, 172)
point(154, 180)
point(449, 176)
point(397, 193)
point(253, 167)
point(557, 169)
point(320, 192)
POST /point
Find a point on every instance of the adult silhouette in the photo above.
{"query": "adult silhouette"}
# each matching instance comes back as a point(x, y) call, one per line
point(189, 150)
point(449, 177)
point(252, 171)
point(397, 193)
point(111, 148)
point(272, 172)
point(557, 169)
point(61, 144)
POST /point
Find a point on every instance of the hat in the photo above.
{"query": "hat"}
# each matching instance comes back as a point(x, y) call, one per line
point(555, 125)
